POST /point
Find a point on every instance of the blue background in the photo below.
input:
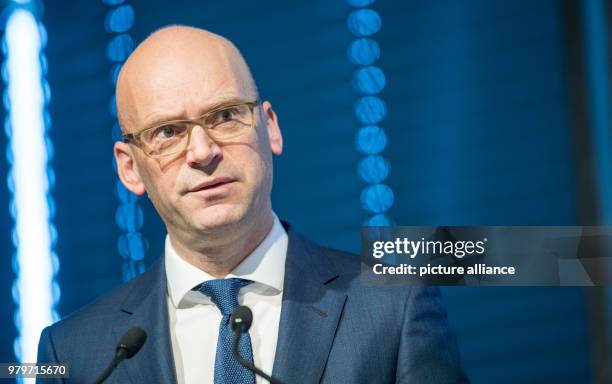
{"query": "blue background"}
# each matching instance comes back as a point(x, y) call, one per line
point(492, 120)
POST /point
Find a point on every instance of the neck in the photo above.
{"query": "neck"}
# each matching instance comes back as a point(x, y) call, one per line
point(219, 255)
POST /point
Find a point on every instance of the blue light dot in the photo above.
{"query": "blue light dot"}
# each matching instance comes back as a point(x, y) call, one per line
point(9, 177)
point(377, 198)
point(123, 194)
point(8, 128)
point(363, 22)
point(370, 110)
point(50, 150)
point(15, 263)
point(15, 291)
point(47, 119)
point(56, 293)
point(119, 48)
point(55, 264)
point(44, 65)
point(360, 3)
point(129, 217)
point(132, 269)
point(112, 106)
point(9, 158)
point(14, 234)
point(131, 246)
point(373, 169)
point(115, 72)
point(51, 210)
point(370, 140)
point(12, 208)
point(364, 51)
point(127, 271)
point(369, 80)
point(4, 71)
point(6, 100)
point(53, 234)
point(379, 220)
point(43, 35)
point(113, 2)
point(120, 19)
point(17, 342)
point(123, 246)
point(46, 91)
point(50, 178)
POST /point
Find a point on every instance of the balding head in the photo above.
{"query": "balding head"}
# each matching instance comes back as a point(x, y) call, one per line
point(179, 63)
point(214, 195)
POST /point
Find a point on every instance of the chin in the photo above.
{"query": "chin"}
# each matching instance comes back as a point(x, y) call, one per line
point(218, 216)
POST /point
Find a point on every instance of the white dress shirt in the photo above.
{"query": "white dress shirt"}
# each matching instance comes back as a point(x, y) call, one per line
point(194, 318)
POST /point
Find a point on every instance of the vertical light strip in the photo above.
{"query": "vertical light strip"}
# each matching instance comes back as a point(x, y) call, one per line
point(370, 109)
point(35, 264)
point(129, 215)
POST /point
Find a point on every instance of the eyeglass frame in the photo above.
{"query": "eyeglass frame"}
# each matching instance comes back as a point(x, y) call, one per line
point(134, 138)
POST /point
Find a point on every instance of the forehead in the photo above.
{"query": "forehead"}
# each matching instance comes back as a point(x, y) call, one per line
point(175, 87)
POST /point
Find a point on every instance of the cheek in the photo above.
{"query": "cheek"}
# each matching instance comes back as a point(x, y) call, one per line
point(251, 165)
point(160, 185)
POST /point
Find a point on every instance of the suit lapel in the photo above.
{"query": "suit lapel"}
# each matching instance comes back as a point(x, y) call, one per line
point(146, 307)
point(312, 304)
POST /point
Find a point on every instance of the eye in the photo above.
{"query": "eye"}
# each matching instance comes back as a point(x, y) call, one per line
point(166, 132)
point(227, 114)
point(224, 116)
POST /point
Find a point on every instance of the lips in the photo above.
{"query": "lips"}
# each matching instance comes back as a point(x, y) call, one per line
point(211, 184)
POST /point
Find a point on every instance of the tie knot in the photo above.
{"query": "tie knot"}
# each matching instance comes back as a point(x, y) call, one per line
point(224, 293)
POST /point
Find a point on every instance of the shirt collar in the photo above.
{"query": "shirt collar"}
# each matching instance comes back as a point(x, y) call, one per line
point(265, 265)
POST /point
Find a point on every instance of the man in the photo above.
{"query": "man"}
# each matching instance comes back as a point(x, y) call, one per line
point(199, 142)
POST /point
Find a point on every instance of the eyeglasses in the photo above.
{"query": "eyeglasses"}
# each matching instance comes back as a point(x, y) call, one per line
point(222, 124)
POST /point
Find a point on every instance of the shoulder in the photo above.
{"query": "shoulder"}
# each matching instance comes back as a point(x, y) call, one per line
point(397, 308)
point(349, 266)
point(412, 300)
point(100, 314)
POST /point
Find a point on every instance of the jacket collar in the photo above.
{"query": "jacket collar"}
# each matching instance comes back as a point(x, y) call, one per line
point(313, 300)
point(146, 307)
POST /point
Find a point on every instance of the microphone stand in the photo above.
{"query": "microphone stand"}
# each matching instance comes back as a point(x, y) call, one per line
point(119, 356)
point(247, 364)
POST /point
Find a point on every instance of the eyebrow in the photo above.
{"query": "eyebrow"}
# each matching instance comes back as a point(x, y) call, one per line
point(157, 119)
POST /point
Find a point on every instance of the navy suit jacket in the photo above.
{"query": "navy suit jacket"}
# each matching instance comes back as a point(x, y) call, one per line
point(332, 328)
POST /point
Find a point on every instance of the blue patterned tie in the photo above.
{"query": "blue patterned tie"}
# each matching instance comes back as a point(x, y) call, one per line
point(224, 293)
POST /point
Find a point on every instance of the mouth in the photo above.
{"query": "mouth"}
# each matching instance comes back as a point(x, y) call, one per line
point(212, 184)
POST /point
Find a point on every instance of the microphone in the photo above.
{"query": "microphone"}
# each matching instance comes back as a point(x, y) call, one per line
point(129, 345)
point(241, 320)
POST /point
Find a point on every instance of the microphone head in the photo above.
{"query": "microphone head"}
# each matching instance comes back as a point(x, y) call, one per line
point(241, 317)
point(132, 341)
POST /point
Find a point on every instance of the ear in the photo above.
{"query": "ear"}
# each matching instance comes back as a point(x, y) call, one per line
point(127, 168)
point(274, 133)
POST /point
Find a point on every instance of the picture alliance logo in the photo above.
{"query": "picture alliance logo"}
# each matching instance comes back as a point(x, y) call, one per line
point(412, 248)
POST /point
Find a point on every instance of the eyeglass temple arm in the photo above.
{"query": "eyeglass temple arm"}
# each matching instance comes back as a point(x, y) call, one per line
point(128, 138)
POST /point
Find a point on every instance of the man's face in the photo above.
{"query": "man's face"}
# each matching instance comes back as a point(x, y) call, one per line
point(211, 185)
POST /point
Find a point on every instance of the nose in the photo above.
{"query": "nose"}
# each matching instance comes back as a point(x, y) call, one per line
point(202, 150)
